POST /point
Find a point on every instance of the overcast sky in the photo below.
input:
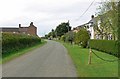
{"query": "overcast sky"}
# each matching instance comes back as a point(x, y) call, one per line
point(45, 14)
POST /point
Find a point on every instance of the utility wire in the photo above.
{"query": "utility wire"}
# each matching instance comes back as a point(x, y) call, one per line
point(86, 9)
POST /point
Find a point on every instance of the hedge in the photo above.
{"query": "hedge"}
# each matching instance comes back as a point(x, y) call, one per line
point(107, 46)
point(14, 42)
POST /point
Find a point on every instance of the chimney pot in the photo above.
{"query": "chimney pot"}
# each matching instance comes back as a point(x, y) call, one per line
point(92, 16)
point(31, 23)
point(19, 25)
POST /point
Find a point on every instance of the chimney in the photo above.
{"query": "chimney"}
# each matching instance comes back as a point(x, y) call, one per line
point(19, 25)
point(92, 16)
point(31, 23)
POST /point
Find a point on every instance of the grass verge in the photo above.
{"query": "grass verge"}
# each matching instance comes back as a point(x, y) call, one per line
point(21, 52)
point(98, 67)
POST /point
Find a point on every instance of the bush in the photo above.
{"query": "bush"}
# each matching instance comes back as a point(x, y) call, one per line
point(15, 42)
point(69, 37)
point(108, 46)
point(62, 38)
point(82, 37)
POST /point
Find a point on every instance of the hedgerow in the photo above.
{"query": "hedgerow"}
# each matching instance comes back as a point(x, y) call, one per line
point(14, 42)
point(107, 46)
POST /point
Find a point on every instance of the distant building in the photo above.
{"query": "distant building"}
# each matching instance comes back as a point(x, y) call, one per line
point(30, 30)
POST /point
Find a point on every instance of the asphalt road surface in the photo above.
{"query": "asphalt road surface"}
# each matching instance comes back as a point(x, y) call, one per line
point(50, 60)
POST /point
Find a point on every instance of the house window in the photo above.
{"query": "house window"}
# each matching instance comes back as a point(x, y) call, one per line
point(89, 33)
point(110, 37)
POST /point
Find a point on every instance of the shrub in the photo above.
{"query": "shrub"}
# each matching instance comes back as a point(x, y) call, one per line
point(69, 36)
point(62, 38)
point(15, 42)
point(108, 46)
point(82, 37)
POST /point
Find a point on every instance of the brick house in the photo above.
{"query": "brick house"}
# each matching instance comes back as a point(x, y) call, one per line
point(30, 30)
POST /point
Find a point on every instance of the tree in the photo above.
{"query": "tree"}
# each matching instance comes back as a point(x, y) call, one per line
point(46, 36)
point(118, 28)
point(82, 37)
point(53, 33)
point(104, 29)
point(62, 28)
point(69, 36)
point(118, 21)
point(108, 17)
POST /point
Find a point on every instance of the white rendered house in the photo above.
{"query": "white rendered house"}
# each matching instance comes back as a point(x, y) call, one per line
point(91, 25)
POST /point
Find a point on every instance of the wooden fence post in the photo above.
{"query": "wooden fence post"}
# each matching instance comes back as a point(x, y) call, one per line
point(90, 54)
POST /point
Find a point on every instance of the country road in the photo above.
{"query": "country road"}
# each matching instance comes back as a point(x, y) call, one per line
point(50, 60)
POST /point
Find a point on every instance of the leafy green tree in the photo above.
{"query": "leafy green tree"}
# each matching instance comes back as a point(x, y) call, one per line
point(49, 34)
point(118, 28)
point(108, 17)
point(82, 37)
point(53, 33)
point(62, 28)
point(46, 36)
point(118, 21)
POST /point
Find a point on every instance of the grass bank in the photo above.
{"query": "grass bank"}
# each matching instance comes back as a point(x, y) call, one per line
point(98, 67)
point(21, 52)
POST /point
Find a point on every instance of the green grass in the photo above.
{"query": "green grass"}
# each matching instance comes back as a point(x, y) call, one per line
point(98, 67)
point(21, 52)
